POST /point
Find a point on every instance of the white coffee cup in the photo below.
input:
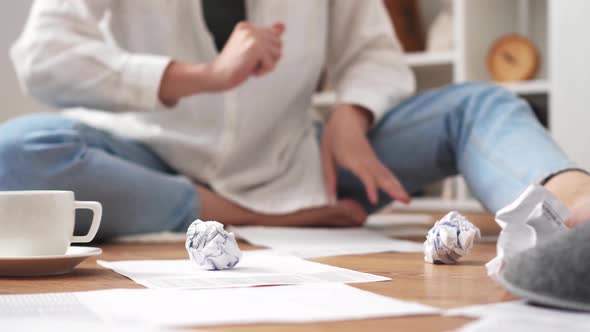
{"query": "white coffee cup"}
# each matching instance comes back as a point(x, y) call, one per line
point(40, 223)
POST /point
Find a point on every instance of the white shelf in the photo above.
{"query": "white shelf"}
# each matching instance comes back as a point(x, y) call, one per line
point(528, 87)
point(541, 86)
point(422, 59)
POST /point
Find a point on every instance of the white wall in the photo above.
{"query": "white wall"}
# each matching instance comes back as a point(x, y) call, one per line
point(570, 77)
point(12, 100)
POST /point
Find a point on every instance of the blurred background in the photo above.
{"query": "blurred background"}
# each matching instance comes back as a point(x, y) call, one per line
point(535, 48)
point(13, 16)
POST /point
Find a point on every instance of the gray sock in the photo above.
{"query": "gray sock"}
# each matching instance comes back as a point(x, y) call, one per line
point(554, 273)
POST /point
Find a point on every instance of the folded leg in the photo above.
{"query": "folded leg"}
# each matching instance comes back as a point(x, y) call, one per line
point(138, 191)
point(483, 132)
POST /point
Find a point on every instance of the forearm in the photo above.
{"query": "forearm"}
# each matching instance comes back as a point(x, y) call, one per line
point(182, 80)
point(361, 117)
point(250, 50)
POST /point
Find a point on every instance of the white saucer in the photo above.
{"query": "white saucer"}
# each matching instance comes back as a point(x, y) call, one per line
point(34, 266)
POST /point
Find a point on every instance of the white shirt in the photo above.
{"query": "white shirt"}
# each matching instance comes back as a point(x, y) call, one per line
point(255, 144)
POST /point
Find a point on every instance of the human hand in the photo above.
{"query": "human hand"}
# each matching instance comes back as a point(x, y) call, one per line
point(250, 50)
point(345, 144)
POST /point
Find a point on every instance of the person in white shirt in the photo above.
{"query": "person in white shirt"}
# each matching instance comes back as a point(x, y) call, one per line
point(174, 110)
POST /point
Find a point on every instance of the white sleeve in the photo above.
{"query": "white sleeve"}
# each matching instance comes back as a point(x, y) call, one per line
point(63, 59)
point(365, 60)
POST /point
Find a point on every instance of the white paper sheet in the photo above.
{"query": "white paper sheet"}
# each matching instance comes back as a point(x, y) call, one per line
point(69, 325)
point(520, 324)
point(379, 221)
point(285, 304)
point(59, 312)
point(400, 225)
point(158, 237)
point(522, 311)
point(322, 242)
point(58, 305)
point(258, 267)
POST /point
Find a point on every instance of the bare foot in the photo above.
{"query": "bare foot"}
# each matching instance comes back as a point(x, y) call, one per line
point(573, 190)
point(345, 213)
point(580, 213)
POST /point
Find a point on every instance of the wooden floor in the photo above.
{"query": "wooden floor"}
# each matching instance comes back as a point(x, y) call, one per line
point(442, 286)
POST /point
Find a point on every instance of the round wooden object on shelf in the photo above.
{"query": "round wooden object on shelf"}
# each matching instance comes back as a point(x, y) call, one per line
point(513, 58)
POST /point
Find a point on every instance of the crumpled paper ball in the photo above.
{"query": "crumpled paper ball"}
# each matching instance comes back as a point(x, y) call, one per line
point(450, 239)
point(211, 247)
point(534, 217)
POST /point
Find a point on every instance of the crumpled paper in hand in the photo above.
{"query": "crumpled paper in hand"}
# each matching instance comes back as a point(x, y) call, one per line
point(211, 247)
point(450, 239)
point(535, 216)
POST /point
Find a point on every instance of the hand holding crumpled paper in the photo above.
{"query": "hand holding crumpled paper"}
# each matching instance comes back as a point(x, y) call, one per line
point(211, 247)
point(450, 239)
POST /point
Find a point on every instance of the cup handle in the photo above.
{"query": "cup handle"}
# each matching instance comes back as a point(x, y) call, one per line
point(96, 217)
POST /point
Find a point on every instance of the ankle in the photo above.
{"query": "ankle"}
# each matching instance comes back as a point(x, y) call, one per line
point(572, 187)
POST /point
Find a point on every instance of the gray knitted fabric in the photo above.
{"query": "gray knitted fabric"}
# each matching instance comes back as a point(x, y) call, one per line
point(554, 273)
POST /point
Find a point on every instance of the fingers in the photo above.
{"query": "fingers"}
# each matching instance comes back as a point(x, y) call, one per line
point(390, 184)
point(370, 184)
point(329, 172)
point(272, 42)
point(271, 35)
point(270, 48)
point(275, 53)
point(250, 50)
point(375, 176)
point(278, 28)
point(345, 132)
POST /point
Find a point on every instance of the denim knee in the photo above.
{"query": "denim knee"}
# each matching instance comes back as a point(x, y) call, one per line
point(488, 102)
point(35, 148)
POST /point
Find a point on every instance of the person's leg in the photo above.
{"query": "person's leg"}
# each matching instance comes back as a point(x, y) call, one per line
point(573, 189)
point(138, 191)
point(483, 132)
point(345, 213)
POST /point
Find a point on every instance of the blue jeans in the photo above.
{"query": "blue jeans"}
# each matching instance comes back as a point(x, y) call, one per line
point(485, 133)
